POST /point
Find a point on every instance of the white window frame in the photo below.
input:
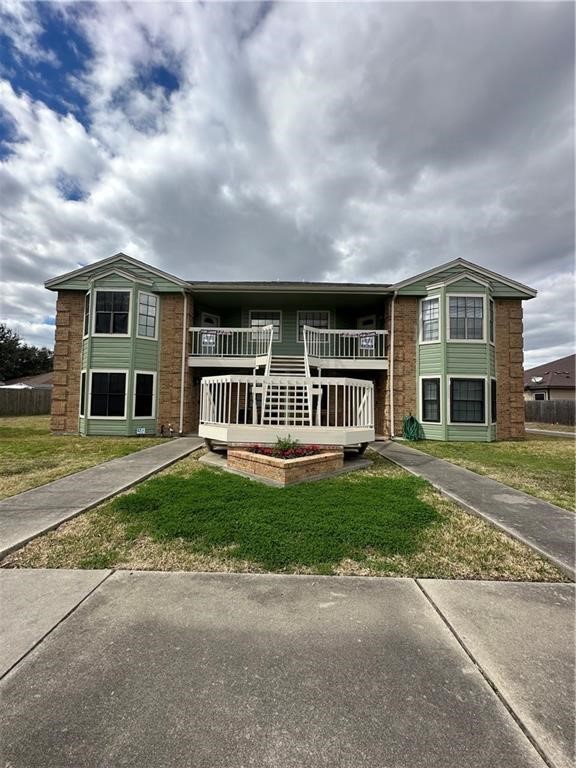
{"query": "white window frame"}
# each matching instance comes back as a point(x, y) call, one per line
point(206, 315)
point(157, 317)
point(436, 377)
point(449, 409)
point(280, 329)
point(83, 372)
point(95, 293)
point(301, 311)
point(430, 341)
point(492, 309)
point(361, 327)
point(154, 374)
point(484, 318)
point(492, 419)
point(541, 392)
point(90, 302)
point(108, 370)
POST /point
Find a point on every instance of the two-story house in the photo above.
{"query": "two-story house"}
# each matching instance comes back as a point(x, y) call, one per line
point(139, 351)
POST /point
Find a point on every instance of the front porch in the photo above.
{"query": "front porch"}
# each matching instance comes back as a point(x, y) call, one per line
point(260, 409)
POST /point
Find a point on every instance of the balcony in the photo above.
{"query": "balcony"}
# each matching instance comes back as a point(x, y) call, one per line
point(334, 348)
point(217, 347)
point(230, 347)
point(259, 409)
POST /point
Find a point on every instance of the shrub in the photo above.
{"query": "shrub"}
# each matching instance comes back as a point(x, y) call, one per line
point(286, 448)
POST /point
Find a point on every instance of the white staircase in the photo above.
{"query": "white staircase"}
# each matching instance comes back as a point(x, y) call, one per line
point(284, 365)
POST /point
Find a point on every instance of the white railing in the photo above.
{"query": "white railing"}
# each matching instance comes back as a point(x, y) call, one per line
point(344, 344)
point(231, 342)
point(284, 401)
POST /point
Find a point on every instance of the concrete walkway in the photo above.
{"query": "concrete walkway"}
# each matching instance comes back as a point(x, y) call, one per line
point(166, 670)
point(546, 528)
point(551, 433)
point(33, 512)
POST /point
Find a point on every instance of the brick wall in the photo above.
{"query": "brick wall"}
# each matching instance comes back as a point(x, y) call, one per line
point(405, 338)
point(67, 362)
point(509, 373)
point(169, 376)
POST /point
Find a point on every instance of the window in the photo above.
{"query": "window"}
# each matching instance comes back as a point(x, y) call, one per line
point(493, 400)
point(429, 327)
point(144, 395)
point(261, 318)
point(147, 311)
point(82, 392)
point(86, 314)
point(466, 316)
point(431, 400)
point(108, 395)
point(112, 310)
point(539, 395)
point(467, 404)
point(315, 319)
point(491, 321)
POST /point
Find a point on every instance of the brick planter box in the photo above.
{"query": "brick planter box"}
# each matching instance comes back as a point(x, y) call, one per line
point(286, 471)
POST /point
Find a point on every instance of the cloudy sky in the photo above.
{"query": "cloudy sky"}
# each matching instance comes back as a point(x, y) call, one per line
point(294, 141)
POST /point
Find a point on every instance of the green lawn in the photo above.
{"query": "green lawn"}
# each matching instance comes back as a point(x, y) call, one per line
point(31, 456)
point(540, 465)
point(377, 521)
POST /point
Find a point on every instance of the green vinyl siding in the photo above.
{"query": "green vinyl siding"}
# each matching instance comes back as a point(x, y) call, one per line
point(113, 427)
point(430, 359)
point(466, 358)
point(498, 289)
point(146, 352)
point(465, 286)
point(433, 431)
point(466, 433)
point(147, 279)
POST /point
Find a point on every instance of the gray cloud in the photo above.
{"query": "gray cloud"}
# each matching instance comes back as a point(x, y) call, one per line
point(305, 141)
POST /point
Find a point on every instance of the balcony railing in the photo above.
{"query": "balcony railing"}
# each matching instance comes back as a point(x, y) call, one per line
point(323, 410)
point(324, 343)
point(231, 342)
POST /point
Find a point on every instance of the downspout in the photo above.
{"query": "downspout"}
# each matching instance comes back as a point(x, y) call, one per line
point(183, 369)
point(391, 366)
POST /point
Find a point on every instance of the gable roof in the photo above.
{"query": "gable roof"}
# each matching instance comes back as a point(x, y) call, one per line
point(111, 261)
point(466, 266)
point(554, 375)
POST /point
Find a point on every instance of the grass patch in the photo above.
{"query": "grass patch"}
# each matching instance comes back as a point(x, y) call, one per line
point(31, 456)
point(543, 466)
point(378, 521)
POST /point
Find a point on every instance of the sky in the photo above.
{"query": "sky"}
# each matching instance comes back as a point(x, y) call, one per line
point(297, 141)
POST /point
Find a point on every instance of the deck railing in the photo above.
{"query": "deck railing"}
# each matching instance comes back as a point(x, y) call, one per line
point(284, 401)
point(231, 342)
point(344, 344)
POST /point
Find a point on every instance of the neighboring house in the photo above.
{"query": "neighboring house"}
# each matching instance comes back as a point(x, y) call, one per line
point(40, 381)
point(332, 363)
point(551, 381)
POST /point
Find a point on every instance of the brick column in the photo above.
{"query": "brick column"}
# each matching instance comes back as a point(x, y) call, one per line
point(169, 376)
point(67, 362)
point(509, 371)
point(404, 364)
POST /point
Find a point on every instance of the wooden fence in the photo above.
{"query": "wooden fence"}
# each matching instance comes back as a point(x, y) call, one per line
point(24, 402)
point(550, 411)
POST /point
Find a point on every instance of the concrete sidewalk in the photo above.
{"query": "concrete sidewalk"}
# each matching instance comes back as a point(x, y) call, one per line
point(546, 528)
point(166, 670)
point(33, 512)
